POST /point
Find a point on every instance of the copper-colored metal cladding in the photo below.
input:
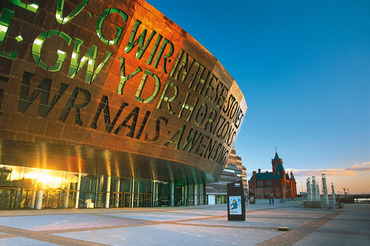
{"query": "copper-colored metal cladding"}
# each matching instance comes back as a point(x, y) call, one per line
point(157, 105)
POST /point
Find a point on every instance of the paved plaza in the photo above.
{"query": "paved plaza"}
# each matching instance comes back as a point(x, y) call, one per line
point(196, 225)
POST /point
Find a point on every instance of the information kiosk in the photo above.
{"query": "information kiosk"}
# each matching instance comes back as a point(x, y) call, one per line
point(235, 201)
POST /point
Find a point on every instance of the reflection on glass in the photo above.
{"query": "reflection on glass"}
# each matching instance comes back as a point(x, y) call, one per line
point(19, 184)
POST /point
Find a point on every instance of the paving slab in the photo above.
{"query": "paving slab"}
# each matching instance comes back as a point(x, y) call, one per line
point(322, 238)
point(62, 222)
point(194, 225)
point(252, 223)
point(156, 216)
point(22, 241)
point(169, 234)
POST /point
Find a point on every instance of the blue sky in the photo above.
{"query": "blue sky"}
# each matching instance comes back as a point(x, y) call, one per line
point(304, 69)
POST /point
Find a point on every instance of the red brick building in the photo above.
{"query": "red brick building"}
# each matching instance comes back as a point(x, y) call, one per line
point(276, 184)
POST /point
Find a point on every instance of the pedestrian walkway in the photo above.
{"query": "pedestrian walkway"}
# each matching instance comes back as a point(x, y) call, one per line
point(194, 225)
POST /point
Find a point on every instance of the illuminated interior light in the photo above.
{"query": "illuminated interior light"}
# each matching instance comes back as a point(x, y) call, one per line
point(74, 55)
point(34, 6)
point(61, 52)
point(38, 41)
point(3, 28)
point(59, 17)
point(83, 59)
point(90, 62)
point(19, 38)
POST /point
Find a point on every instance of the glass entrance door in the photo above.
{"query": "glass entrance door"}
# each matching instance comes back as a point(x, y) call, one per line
point(53, 199)
point(13, 197)
point(127, 199)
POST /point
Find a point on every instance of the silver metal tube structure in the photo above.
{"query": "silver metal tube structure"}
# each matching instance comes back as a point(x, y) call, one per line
point(33, 197)
point(107, 197)
point(314, 187)
point(172, 194)
point(318, 191)
point(78, 191)
point(39, 195)
point(325, 188)
point(65, 199)
point(195, 194)
point(133, 192)
point(118, 186)
point(333, 193)
point(308, 186)
point(153, 191)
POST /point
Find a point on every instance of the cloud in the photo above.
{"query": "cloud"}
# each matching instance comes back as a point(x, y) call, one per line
point(318, 172)
point(333, 172)
point(362, 167)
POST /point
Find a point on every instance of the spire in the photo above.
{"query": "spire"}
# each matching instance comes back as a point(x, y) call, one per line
point(276, 155)
point(277, 164)
point(291, 175)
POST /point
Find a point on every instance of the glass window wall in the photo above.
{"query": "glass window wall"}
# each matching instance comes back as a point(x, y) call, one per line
point(24, 187)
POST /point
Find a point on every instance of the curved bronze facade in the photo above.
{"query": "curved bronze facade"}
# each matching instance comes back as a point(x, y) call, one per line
point(112, 88)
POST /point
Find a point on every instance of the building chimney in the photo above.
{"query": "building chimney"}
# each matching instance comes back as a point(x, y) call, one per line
point(259, 170)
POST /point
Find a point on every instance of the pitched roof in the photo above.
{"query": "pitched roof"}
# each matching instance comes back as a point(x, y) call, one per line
point(276, 156)
point(266, 176)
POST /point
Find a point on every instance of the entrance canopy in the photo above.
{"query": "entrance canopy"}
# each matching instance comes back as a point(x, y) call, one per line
point(90, 160)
